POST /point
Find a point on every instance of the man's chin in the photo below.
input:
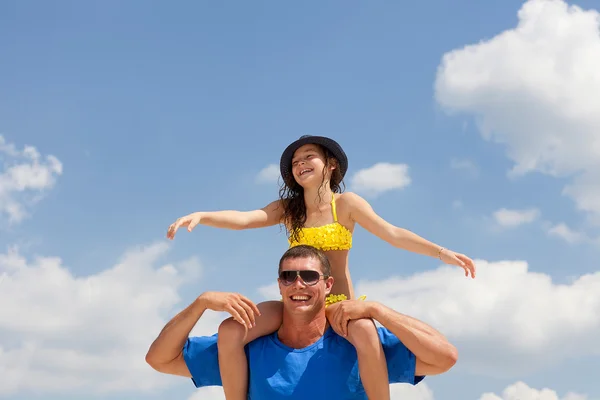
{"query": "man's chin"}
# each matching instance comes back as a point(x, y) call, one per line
point(302, 308)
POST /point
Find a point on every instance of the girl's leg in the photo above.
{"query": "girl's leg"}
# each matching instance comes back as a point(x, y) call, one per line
point(230, 342)
point(372, 366)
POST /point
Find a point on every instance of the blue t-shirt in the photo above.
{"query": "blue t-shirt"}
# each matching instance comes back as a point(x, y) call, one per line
point(327, 369)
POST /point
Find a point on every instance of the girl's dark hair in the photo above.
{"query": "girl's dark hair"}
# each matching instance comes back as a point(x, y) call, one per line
point(291, 195)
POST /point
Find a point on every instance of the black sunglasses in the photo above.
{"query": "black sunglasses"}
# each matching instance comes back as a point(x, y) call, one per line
point(308, 277)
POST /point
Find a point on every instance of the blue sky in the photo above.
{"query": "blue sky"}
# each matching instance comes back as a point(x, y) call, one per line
point(156, 110)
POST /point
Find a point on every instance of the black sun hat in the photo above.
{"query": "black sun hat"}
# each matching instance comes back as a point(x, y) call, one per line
point(285, 165)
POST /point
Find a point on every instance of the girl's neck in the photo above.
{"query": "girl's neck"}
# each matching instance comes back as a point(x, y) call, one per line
point(315, 197)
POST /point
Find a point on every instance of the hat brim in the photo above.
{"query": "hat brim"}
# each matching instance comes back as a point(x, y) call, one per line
point(285, 164)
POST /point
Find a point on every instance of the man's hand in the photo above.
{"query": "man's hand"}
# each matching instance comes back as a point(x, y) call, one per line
point(241, 308)
point(339, 314)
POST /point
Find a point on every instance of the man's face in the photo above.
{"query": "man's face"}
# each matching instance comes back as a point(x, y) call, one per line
point(302, 297)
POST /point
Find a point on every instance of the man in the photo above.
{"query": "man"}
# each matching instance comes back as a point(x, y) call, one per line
point(305, 358)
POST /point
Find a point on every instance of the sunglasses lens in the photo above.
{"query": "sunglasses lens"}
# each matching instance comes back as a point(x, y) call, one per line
point(288, 277)
point(309, 277)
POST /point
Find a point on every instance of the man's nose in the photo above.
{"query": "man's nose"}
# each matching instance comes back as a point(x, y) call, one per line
point(299, 283)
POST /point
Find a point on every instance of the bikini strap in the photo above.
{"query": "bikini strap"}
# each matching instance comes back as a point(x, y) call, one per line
point(333, 207)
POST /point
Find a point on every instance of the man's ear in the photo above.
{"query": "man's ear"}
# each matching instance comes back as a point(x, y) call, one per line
point(328, 285)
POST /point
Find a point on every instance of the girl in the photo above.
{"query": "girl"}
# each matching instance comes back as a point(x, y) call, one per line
point(314, 211)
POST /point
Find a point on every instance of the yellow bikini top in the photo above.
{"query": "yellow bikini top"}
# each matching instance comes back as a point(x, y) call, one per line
point(334, 236)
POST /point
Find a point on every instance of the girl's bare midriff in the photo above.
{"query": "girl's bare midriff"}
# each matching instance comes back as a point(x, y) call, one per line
point(342, 284)
point(338, 259)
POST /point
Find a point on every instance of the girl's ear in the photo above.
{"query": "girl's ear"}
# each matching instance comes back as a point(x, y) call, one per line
point(332, 162)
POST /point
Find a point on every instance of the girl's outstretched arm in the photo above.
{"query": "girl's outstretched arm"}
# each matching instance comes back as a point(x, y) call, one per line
point(363, 214)
point(229, 219)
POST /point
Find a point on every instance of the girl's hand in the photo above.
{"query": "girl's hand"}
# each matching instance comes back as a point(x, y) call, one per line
point(460, 260)
point(190, 221)
point(340, 314)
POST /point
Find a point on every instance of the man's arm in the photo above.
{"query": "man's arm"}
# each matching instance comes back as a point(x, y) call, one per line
point(166, 352)
point(434, 353)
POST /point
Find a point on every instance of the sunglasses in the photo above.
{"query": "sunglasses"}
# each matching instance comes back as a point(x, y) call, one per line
point(308, 277)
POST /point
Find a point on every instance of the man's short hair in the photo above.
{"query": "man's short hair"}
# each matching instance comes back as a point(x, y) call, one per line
point(305, 251)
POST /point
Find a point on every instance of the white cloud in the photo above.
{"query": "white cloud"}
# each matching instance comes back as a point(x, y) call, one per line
point(270, 292)
point(380, 178)
point(513, 218)
point(208, 393)
point(401, 391)
point(506, 322)
point(564, 232)
point(66, 333)
point(521, 391)
point(25, 178)
point(398, 391)
point(534, 89)
point(468, 166)
point(404, 391)
point(269, 174)
point(516, 391)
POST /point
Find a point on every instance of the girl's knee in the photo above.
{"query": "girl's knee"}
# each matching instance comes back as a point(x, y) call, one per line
point(271, 307)
point(271, 316)
point(230, 331)
point(362, 332)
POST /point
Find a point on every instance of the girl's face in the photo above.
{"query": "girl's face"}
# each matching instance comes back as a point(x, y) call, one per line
point(308, 164)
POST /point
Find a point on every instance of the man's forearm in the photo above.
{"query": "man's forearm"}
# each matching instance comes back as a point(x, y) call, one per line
point(169, 343)
point(426, 343)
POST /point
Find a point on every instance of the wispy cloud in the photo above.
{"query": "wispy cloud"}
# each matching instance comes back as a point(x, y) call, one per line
point(567, 234)
point(513, 218)
point(521, 391)
point(467, 166)
point(25, 178)
point(517, 391)
point(208, 393)
point(547, 119)
point(269, 292)
point(77, 325)
point(508, 321)
point(269, 174)
point(380, 178)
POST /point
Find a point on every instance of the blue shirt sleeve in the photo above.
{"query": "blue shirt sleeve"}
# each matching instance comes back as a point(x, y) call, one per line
point(401, 362)
point(202, 359)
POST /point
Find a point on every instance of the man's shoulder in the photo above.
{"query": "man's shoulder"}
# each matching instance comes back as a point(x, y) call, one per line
point(327, 342)
point(263, 344)
point(330, 337)
point(387, 337)
point(210, 342)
